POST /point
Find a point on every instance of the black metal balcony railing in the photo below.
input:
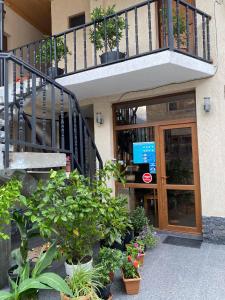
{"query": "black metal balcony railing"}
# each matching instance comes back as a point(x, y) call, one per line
point(150, 26)
point(41, 115)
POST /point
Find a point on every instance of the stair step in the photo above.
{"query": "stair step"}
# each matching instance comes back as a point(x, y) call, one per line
point(2, 123)
point(2, 148)
point(2, 136)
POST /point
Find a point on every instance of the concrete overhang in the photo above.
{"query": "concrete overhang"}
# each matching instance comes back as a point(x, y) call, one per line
point(145, 72)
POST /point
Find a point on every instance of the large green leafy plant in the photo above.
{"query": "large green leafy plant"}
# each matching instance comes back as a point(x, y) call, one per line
point(29, 282)
point(79, 212)
point(107, 31)
point(65, 208)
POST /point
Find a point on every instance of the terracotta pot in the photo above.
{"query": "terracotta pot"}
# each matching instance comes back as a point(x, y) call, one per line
point(64, 297)
point(141, 259)
point(132, 286)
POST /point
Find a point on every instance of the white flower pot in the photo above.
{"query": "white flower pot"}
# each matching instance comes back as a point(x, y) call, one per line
point(71, 268)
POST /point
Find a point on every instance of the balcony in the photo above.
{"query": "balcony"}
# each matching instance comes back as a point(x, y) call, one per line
point(154, 43)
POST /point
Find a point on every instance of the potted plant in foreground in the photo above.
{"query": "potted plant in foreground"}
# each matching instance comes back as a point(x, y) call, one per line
point(84, 284)
point(45, 55)
point(104, 291)
point(29, 282)
point(131, 276)
point(65, 208)
point(107, 33)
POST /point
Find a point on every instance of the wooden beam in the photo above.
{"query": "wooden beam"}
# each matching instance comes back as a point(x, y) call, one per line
point(37, 13)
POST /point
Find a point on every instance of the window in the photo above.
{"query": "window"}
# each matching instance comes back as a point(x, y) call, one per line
point(77, 20)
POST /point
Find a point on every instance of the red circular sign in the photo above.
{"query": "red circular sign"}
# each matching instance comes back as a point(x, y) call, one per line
point(147, 178)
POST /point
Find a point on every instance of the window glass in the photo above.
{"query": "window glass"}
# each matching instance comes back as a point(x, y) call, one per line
point(133, 165)
point(77, 20)
point(170, 108)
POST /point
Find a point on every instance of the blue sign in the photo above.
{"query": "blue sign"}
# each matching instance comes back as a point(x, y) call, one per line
point(145, 153)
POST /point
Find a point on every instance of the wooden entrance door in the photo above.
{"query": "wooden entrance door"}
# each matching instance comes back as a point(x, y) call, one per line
point(180, 195)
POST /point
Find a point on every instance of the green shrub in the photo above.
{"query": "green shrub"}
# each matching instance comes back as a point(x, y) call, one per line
point(106, 32)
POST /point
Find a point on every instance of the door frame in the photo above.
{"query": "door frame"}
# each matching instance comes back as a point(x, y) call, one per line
point(163, 187)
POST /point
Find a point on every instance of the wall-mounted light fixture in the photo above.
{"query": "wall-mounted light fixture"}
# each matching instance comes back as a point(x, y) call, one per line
point(99, 118)
point(207, 104)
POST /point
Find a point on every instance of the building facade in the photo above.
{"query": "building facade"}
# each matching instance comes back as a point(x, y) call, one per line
point(187, 192)
point(157, 106)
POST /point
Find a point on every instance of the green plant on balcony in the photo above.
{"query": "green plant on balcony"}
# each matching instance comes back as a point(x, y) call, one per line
point(45, 53)
point(108, 31)
point(179, 25)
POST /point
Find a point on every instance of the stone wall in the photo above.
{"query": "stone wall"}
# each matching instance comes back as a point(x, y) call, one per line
point(213, 229)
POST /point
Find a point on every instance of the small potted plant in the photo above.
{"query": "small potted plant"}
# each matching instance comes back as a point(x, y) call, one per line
point(111, 260)
point(149, 237)
point(131, 276)
point(136, 250)
point(108, 33)
point(104, 291)
point(139, 220)
point(84, 284)
point(45, 55)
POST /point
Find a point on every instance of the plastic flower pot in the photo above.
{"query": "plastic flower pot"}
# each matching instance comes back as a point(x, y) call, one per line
point(132, 285)
point(64, 297)
point(70, 268)
point(111, 56)
point(105, 292)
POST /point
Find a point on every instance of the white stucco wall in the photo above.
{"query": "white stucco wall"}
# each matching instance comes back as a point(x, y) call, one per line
point(18, 30)
point(210, 126)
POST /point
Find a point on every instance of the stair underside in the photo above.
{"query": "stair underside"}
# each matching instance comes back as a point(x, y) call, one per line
point(33, 160)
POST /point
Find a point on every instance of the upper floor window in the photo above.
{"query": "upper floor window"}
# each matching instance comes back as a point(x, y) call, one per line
point(77, 20)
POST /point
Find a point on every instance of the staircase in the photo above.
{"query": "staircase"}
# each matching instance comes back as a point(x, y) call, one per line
point(41, 124)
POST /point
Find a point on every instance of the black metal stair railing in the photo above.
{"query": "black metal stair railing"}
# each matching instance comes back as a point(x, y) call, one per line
point(148, 27)
point(41, 115)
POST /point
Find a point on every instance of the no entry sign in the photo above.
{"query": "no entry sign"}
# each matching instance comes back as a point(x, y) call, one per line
point(147, 178)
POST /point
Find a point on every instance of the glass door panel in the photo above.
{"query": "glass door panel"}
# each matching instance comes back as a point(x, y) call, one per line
point(179, 177)
point(178, 156)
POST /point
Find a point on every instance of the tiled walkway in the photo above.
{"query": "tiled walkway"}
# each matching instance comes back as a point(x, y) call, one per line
point(178, 273)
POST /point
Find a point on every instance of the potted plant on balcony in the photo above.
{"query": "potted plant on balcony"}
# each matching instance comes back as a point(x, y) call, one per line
point(84, 285)
point(45, 55)
point(131, 276)
point(107, 33)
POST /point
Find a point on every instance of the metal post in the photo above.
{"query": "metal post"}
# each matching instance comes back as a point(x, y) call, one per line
point(170, 24)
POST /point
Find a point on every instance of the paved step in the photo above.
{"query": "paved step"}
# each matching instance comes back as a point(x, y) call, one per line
point(34, 160)
point(2, 136)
